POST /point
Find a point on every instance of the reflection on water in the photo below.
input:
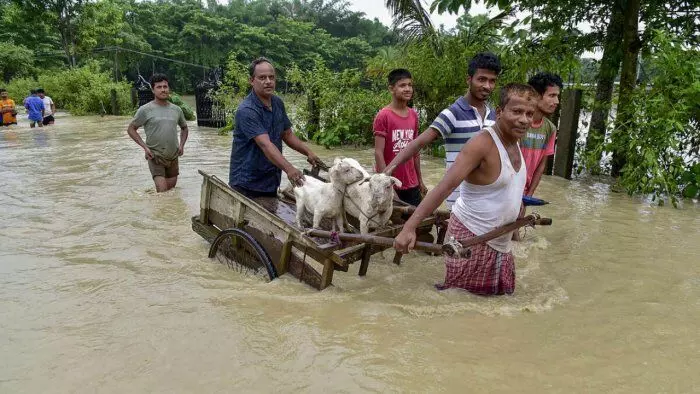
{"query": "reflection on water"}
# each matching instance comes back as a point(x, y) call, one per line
point(105, 287)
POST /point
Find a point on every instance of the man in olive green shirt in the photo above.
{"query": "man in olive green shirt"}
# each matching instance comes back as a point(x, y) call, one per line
point(160, 119)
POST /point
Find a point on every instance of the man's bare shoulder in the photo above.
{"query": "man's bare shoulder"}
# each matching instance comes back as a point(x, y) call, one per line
point(482, 142)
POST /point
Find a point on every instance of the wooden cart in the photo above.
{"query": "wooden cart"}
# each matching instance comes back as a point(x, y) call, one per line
point(261, 235)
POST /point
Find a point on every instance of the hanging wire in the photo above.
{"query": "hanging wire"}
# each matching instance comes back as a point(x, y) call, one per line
point(116, 48)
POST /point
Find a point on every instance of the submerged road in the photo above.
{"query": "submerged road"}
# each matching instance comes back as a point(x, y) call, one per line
point(105, 288)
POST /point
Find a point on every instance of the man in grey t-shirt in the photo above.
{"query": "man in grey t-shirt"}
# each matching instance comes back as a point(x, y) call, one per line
point(160, 119)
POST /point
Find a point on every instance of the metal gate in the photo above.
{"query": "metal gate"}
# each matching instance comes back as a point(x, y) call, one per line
point(210, 112)
point(143, 91)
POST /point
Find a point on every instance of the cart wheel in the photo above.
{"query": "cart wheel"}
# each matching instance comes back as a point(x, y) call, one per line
point(240, 251)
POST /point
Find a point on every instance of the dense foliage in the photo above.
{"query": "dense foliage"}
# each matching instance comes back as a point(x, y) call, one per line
point(83, 90)
point(333, 62)
point(663, 132)
point(68, 32)
point(338, 110)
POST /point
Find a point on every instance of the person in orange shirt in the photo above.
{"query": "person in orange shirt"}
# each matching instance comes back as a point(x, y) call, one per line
point(7, 109)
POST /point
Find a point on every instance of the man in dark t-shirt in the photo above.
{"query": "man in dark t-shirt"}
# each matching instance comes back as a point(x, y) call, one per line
point(261, 125)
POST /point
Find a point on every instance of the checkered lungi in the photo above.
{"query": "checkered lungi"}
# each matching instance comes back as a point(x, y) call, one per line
point(486, 272)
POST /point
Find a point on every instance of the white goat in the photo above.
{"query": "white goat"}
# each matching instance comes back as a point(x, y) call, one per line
point(326, 199)
point(371, 200)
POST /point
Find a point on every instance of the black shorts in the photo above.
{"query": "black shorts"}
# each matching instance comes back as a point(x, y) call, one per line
point(411, 196)
point(48, 119)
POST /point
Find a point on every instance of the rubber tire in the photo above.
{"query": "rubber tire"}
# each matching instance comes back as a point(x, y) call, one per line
point(259, 250)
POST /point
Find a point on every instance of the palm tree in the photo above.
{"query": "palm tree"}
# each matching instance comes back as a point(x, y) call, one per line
point(411, 18)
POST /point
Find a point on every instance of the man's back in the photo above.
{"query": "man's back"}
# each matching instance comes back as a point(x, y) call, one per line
point(34, 107)
point(47, 105)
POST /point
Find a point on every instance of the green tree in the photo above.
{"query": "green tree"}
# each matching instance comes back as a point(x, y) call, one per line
point(61, 15)
point(615, 28)
point(16, 60)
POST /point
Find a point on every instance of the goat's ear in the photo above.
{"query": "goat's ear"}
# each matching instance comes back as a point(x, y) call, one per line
point(395, 181)
point(337, 160)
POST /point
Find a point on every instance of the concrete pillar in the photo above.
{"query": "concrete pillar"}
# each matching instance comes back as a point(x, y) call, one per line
point(567, 133)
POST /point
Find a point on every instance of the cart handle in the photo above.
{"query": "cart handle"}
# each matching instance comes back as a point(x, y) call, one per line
point(451, 249)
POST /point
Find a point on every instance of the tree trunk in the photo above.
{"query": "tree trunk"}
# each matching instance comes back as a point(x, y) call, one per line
point(605, 82)
point(314, 125)
point(631, 45)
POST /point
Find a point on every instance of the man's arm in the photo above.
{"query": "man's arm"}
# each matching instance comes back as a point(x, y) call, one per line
point(298, 145)
point(537, 175)
point(295, 143)
point(412, 149)
point(416, 164)
point(275, 156)
point(132, 130)
point(379, 143)
point(184, 132)
point(468, 159)
point(53, 107)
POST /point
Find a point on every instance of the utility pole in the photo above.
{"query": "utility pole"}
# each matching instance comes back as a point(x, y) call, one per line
point(113, 92)
point(116, 64)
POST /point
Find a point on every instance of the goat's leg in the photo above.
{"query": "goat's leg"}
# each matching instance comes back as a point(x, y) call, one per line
point(364, 225)
point(318, 215)
point(339, 223)
point(300, 212)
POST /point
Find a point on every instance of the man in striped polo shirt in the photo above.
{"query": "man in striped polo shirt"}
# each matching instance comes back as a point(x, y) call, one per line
point(462, 120)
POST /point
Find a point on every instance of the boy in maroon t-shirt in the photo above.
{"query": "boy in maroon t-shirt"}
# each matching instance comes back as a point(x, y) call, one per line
point(394, 127)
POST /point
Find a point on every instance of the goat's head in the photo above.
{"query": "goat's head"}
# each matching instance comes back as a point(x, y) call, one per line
point(382, 188)
point(344, 172)
point(353, 163)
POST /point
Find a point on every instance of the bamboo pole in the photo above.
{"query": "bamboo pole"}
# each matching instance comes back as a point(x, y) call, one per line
point(388, 242)
point(529, 220)
point(409, 209)
point(450, 249)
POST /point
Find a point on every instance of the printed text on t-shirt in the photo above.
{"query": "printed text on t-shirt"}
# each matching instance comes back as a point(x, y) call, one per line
point(401, 138)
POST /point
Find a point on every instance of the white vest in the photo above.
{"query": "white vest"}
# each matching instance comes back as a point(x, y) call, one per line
point(482, 208)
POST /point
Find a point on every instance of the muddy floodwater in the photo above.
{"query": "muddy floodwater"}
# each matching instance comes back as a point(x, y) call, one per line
point(104, 287)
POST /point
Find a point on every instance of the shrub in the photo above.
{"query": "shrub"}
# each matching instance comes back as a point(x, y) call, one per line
point(338, 109)
point(186, 109)
point(80, 91)
point(663, 137)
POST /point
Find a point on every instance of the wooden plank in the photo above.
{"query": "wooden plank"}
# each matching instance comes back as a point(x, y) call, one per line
point(206, 231)
point(239, 211)
point(285, 256)
point(397, 258)
point(366, 254)
point(204, 201)
point(342, 268)
point(327, 275)
point(220, 220)
point(300, 268)
point(351, 253)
